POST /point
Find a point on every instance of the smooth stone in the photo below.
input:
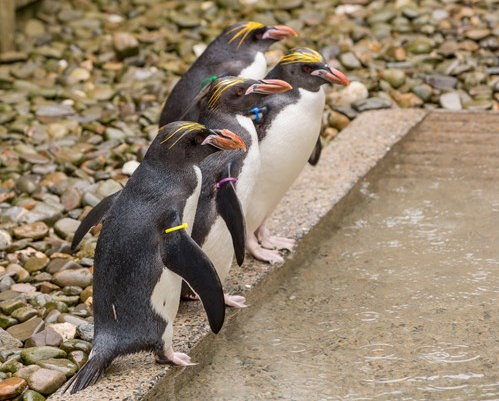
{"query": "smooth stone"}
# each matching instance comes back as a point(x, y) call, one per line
point(441, 81)
point(86, 293)
point(69, 156)
point(12, 387)
point(32, 355)
point(23, 287)
point(33, 231)
point(67, 318)
point(125, 44)
point(354, 92)
point(71, 198)
point(184, 20)
point(11, 365)
point(78, 357)
point(385, 15)
point(108, 187)
point(18, 272)
point(66, 227)
point(478, 105)
point(5, 240)
point(52, 317)
point(76, 345)
point(60, 264)
point(79, 75)
point(24, 313)
point(25, 330)
point(451, 101)
point(420, 45)
point(114, 133)
point(85, 332)
point(406, 100)
point(81, 277)
point(423, 91)
point(338, 120)
point(6, 283)
point(7, 341)
point(396, 78)
point(477, 34)
point(32, 395)
point(350, 61)
point(35, 263)
point(7, 321)
point(42, 212)
point(8, 307)
point(372, 103)
point(46, 381)
point(64, 366)
point(129, 167)
point(68, 300)
point(48, 337)
point(67, 331)
point(9, 295)
point(57, 111)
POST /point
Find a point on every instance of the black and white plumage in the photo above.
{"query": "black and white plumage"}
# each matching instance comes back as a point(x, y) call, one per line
point(237, 51)
point(219, 224)
point(287, 135)
point(139, 267)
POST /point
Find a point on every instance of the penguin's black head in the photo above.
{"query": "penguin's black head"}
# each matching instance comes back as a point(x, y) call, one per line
point(237, 94)
point(255, 35)
point(306, 68)
point(189, 142)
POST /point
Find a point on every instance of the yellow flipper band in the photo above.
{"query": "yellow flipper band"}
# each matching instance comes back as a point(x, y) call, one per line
point(180, 227)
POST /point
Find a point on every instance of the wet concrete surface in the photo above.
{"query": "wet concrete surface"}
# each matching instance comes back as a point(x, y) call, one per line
point(395, 299)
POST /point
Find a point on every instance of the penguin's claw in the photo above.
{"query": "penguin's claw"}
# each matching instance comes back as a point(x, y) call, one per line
point(235, 301)
point(174, 358)
point(267, 255)
point(278, 243)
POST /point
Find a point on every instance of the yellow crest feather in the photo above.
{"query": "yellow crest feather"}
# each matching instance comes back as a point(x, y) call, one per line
point(220, 87)
point(301, 55)
point(183, 129)
point(243, 31)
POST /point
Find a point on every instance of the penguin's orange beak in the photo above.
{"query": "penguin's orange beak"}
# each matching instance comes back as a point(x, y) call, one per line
point(269, 87)
point(332, 75)
point(279, 32)
point(225, 140)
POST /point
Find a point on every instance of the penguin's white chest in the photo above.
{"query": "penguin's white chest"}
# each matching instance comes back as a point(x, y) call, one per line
point(218, 244)
point(166, 294)
point(284, 151)
point(257, 69)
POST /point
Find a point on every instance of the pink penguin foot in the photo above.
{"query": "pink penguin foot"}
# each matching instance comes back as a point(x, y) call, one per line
point(174, 358)
point(278, 243)
point(235, 301)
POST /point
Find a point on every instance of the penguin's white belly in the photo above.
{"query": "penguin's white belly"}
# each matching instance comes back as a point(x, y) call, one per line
point(218, 244)
point(257, 69)
point(165, 297)
point(284, 151)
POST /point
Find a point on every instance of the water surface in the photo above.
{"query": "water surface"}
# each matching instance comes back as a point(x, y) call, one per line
point(396, 300)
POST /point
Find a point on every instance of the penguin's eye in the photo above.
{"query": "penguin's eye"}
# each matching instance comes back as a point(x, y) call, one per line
point(240, 91)
point(307, 69)
point(198, 139)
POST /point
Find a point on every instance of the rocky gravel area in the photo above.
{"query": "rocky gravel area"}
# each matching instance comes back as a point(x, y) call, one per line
point(80, 101)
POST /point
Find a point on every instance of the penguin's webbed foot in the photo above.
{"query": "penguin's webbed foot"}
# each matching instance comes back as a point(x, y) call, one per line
point(269, 241)
point(265, 255)
point(278, 243)
point(235, 301)
point(174, 358)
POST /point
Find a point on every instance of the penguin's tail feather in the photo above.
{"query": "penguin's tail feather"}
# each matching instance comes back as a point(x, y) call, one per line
point(90, 372)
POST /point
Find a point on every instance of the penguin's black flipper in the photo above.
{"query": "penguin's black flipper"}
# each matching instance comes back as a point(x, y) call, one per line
point(230, 209)
point(183, 256)
point(316, 153)
point(94, 217)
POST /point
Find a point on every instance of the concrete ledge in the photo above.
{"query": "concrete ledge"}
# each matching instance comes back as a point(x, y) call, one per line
point(349, 158)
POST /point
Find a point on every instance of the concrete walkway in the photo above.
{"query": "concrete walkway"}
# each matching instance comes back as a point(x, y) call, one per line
point(349, 158)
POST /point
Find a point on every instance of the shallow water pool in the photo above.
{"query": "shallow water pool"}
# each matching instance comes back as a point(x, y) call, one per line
point(395, 300)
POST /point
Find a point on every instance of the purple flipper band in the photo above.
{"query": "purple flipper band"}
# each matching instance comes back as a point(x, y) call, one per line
point(224, 180)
